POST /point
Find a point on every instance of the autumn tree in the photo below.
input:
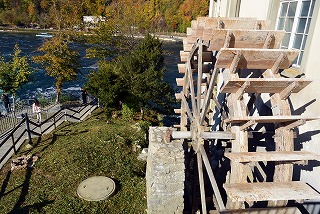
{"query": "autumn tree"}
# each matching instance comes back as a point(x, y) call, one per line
point(14, 73)
point(59, 61)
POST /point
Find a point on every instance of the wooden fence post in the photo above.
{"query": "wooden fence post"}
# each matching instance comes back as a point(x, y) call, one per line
point(14, 145)
point(28, 128)
point(65, 115)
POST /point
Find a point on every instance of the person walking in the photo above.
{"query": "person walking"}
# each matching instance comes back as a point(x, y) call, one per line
point(36, 109)
point(6, 103)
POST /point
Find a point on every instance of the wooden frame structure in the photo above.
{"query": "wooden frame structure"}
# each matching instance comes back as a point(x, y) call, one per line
point(248, 57)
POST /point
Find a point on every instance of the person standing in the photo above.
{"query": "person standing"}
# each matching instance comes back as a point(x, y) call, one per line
point(6, 103)
point(84, 96)
point(36, 109)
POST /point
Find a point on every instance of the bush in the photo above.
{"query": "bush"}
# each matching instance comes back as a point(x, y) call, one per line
point(127, 112)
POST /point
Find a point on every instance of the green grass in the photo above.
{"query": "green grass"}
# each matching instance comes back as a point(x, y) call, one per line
point(74, 152)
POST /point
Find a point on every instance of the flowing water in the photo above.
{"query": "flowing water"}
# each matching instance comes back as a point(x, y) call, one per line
point(43, 85)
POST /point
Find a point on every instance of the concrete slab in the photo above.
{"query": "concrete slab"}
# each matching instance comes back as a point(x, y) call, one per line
point(96, 188)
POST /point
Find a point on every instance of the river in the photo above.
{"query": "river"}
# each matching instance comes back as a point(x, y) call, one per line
point(43, 85)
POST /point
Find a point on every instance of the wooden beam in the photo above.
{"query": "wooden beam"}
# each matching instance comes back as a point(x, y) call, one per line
point(201, 182)
point(266, 191)
point(212, 179)
point(247, 125)
point(285, 93)
point(184, 101)
point(268, 40)
point(177, 111)
point(276, 66)
point(266, 85)
point(268, 210)
point(269, 119)
point(242, 89)
point(235, 62)
point(227, 39)
point(256, 58)
point(200, 58)
point(245, 157)
point(205, 105)
point(295, 124)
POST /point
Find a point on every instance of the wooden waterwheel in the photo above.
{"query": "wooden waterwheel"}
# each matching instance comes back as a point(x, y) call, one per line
point(233, 95)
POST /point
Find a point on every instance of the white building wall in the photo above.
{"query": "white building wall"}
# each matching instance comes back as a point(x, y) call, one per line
point(254, 9)
point(309, 134)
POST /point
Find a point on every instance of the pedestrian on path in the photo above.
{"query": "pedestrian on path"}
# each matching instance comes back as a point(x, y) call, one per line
point(6, 103)
point(36, 109)
point(84, 95)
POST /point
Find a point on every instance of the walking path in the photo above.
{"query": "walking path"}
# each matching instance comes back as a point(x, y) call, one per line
point(11, 141)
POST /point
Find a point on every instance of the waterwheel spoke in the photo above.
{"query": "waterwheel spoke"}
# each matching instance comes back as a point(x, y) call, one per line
point(192, 92)
point(199, 74)
point(213, 181)
point(187, 107)
point(201, 182)
point(205, 105)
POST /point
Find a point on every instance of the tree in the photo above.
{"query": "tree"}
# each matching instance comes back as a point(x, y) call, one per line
point(60, 62)
point(135, 78)
point(106, 41)
point(142, 72)
point(106, 85)
point(14, 73)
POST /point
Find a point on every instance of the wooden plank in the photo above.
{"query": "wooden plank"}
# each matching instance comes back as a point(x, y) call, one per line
point(201, 182)
point(269, 119)
point(263, 24)
point(255, 58)
point(244, 157)
point(245, 39)
point(184, 56)
point(269, 210)
point(205, 68)
point(177, 111)
point(180, 81)
point(265, 85)
point(228, 22)
point(265, 191)
point(239, 38)
point(213, 181)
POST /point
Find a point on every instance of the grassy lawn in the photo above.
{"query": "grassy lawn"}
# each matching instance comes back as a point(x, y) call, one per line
point(74, 152)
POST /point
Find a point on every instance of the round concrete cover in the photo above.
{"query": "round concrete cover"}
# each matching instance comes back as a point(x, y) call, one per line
point(96, 188)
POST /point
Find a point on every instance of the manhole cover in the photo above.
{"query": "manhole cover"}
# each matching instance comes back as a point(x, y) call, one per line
point(96, 188)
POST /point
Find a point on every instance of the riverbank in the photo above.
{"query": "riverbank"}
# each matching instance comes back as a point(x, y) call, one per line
point(164, 36)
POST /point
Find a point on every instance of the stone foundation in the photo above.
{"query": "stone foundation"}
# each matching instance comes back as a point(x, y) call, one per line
point(165, 174)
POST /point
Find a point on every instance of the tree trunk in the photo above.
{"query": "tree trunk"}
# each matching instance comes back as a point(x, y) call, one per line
point(58, 90)
point(142, 113)
point(13, 104)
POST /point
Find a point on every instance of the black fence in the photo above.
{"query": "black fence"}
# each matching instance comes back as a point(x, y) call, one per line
point(26, 128)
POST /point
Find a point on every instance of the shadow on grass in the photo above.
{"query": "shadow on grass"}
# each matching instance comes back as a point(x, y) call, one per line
point(5, 184)
point(18, 208)
point(28, 208)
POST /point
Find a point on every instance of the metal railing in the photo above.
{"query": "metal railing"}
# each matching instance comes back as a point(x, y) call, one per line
point(26, 128)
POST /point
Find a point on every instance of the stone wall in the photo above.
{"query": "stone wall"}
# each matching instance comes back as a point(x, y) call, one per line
point(165, 174)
